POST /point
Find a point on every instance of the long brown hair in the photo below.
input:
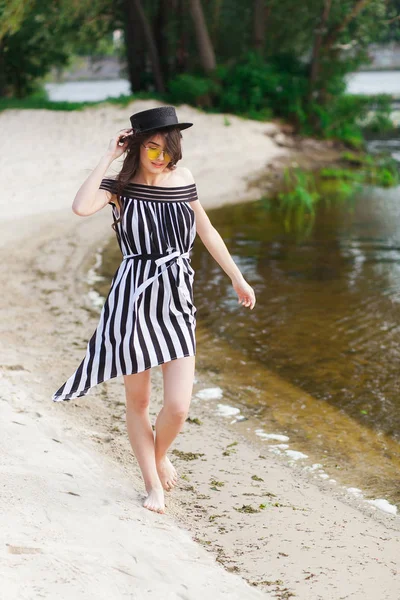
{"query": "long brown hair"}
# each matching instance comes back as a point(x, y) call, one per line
point(172, 136)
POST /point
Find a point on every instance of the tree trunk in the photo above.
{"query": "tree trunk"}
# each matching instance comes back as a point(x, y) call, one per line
point(182, 53)
point(161, 38)
point(136, 12)
point(206, 50)
point(215, 22)
point(135, 48)
point(259, 21)
point(3, 81)
point(315, 59)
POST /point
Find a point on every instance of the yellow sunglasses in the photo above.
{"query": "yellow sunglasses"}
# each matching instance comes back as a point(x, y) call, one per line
point(154, 153)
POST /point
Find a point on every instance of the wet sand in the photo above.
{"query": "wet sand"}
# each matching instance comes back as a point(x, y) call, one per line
point(260, 526)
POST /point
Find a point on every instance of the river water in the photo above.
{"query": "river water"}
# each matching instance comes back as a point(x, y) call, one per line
point(317, 359)
point(367, 82)
point(327, 317)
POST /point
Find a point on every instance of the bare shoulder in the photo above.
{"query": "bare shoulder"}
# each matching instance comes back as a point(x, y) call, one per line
point(185, 175)
point(186, 178)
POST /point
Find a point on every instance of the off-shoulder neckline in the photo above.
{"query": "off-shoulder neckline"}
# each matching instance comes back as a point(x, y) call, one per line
point(155, 187)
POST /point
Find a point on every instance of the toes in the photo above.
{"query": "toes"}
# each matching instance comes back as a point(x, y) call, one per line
point(154, 502)
point(153, 508)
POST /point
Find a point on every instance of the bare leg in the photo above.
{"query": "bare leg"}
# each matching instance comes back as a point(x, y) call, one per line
point(178, 378)
point(141, 436)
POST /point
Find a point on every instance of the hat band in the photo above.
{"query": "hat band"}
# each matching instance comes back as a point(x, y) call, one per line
point(165, 122)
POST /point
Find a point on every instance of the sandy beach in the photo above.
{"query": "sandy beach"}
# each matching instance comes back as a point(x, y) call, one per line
point(243, 522)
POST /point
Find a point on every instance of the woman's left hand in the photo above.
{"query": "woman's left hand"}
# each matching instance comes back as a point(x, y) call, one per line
point(245, 293)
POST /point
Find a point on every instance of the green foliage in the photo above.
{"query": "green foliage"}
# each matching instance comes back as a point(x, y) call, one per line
point(357, 159)
point(29, 50)
point(37, 35)
point(339, 119)
point(379, 120)
point(381, 170)
point(192, 89)
point(384, 172)
point(391, 32)
point(298, 198)
point(302, 191)
point(274, 80)
point(11, 15)
point(342, 174)
point(254, 88)
point(249, 87)
point(387, 178)
point(259, 89)
point(244, 86)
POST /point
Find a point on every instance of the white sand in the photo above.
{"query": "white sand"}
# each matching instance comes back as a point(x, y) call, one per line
point(72, 525)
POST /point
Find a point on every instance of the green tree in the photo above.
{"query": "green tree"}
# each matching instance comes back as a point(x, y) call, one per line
point(36, 35)
point(259, 58)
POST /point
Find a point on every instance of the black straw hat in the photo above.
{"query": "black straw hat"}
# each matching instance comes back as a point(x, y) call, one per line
point(156, 118)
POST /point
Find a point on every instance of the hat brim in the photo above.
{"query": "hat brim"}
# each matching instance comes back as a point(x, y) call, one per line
point(174, 126)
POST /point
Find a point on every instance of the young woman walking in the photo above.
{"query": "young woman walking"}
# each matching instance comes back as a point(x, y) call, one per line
point(149, 316)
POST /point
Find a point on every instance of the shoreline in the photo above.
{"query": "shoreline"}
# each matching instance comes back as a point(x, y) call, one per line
point(305, 540)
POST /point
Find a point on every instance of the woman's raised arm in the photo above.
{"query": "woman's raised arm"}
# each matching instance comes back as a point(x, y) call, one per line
point(89, 198)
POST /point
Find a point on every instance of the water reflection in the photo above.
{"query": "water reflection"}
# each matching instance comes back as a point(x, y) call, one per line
point(327, 315)
point(383, 145)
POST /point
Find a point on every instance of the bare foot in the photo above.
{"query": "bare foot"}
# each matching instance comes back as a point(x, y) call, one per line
point(155, 500)
point(167, 473)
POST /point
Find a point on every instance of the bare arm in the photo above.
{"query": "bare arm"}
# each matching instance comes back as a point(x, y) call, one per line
point(214, 243)
point(89, 198)
point(218, 250)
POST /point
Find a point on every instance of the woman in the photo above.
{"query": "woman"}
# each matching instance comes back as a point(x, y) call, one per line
point(149, 317)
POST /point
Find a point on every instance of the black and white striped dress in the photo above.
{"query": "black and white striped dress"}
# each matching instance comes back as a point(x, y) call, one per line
point(149, 316)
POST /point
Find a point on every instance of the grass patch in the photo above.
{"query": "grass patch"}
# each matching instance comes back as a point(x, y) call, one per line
point(301, 191)
point(247, 508)
point(196, 421)
point(204, 542)
point(217, 483)
point(187, 455)
point(232, 449)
